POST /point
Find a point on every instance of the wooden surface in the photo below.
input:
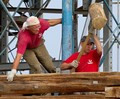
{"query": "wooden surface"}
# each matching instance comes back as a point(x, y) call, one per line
point(112, 92)
point(62, 83)
point(56, 97)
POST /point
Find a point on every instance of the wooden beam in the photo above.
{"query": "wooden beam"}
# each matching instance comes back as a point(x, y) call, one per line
point(61, 83)
point(46, 83)
point(56, 97)
point(112, 92)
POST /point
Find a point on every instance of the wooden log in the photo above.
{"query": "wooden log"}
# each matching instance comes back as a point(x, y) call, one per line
point(56, 97)
point(101, 76)
point(62, 83)
point(81, 75)
point(112, 92)
point(31, 87)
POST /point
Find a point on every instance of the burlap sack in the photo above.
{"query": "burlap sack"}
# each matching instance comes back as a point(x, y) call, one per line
point(98, 16)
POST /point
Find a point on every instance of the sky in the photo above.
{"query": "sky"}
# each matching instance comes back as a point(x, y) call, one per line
point(53, 35)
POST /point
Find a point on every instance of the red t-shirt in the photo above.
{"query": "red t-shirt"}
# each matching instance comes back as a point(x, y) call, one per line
point(27, 40)
point(87, 63)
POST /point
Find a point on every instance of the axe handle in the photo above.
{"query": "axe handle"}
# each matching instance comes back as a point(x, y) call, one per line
point(82, 49)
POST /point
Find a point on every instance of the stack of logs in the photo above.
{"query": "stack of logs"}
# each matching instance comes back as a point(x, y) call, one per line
point(99, 85)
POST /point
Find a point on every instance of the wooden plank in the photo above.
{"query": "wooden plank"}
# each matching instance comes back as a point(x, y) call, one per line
point(103, 78)
point(112, 92)
point(56, 97)
point(33, 87)
point(62, 83)
point(82, 75)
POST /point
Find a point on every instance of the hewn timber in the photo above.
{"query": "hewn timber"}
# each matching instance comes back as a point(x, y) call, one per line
point(112, 92)
point(57, 97)
point(61, 83)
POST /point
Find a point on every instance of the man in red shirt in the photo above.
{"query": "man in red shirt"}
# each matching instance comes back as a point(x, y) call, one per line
point(31, 46)
point(89, 61)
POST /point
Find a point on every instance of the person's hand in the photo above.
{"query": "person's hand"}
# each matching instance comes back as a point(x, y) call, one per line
point(74, 63)
point(11, 75)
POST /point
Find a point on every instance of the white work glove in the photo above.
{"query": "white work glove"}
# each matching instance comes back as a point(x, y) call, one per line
point(74, 63)
point(11, 75)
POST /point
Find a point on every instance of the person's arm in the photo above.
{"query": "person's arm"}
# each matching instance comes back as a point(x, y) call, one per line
point(16, 62)
point(73, 64)
point(98, 44)
point(65, 66)
point(54, 22)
